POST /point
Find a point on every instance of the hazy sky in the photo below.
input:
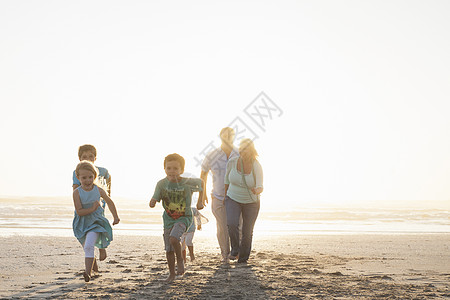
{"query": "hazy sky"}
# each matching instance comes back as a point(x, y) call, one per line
point(362, 91)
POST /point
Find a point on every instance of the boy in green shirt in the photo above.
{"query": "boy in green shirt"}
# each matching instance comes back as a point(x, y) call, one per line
point(176, 195)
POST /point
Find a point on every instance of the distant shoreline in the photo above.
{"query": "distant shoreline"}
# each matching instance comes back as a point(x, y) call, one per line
point(43, 216)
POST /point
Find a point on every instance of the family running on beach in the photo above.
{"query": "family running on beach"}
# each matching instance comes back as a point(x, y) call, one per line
point(237, 184)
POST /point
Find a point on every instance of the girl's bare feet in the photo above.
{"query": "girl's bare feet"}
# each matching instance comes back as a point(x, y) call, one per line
point(102, 254)
point(95, 270)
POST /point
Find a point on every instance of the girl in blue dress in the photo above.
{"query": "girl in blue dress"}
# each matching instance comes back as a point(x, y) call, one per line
point(90, 226)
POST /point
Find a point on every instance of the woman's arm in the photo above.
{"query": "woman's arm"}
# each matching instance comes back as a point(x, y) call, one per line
point(111, 205)
point(258, 178)
point(226, 189)
point(227, 175)
point(79, 208)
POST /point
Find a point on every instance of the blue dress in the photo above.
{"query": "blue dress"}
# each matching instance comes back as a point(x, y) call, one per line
point(95, 221)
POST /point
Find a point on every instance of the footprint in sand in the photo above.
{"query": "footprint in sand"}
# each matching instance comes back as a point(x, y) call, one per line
point(384, 277)
point(278, 258)
point(262, 255)
point(336, 274)
point(62, 278)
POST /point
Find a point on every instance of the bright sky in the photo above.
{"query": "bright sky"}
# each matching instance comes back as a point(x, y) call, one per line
point(362, 88)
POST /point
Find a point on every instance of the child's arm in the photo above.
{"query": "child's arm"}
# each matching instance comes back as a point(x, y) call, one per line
point(200, 203)
point(111, 206)
point(197, 218)
point(79, 208)
point(75, 182)
point(152, 202)
point(156, 195)
point(108, 185)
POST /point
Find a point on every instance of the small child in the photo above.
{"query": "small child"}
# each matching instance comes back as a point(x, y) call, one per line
point(90, 226)
point(89, 153)
point(187, 237)
point(176, 193)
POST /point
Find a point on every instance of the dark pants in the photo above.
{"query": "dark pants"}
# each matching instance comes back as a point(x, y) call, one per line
point(249, 213)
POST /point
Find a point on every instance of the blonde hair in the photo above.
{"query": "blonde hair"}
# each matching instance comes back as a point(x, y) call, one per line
point(250, 146)
point(89, 166)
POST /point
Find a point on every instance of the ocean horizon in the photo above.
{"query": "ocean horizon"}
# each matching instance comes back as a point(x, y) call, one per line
point(52, 216)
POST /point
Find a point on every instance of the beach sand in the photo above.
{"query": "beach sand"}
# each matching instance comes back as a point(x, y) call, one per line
point(413, 266)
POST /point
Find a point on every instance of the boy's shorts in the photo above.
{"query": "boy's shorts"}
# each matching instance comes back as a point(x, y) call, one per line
point(176, 231)
point(186, 239)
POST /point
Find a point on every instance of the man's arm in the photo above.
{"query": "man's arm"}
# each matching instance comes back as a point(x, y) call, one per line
point(201, 194)
point(204, 178)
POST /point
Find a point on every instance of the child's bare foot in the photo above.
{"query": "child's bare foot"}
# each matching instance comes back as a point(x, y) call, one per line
point(192, 257)
point(180, 267)
point(170, 278)
point(102, 254)
point(86, 276)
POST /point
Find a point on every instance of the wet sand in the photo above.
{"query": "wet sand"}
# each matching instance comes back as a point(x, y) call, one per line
point(412, 266)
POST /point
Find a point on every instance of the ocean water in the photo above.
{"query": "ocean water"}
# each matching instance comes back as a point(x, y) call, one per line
point(53, 217)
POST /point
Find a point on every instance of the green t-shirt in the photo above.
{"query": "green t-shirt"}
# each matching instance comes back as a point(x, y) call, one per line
point(176, 199)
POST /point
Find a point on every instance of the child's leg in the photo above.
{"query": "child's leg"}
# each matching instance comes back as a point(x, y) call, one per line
point(175, 235)
point(88, 263)
point(183, 253)
point(95, 266)
point(102, 254)
point(170, 255)
point(177, 249)
point(190, 244)
point(191, 252)
point(89, 256)
point(183, 246)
